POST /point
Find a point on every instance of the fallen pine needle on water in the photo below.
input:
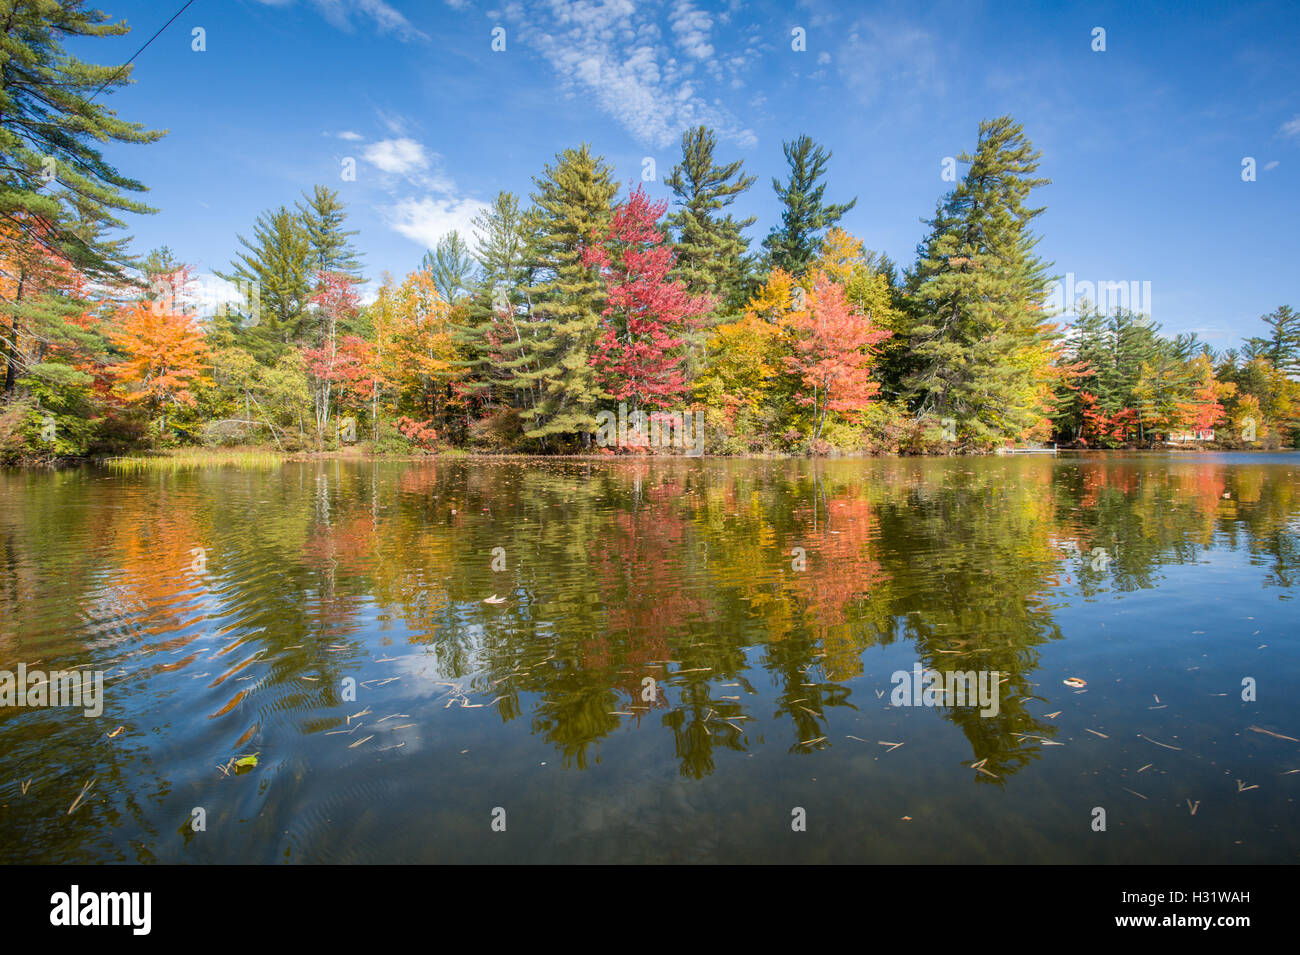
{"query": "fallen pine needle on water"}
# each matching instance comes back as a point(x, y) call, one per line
point(1242, 789)
point(1258, 729)
point(1127, 790)
point(116, 731)
point(1193, 806)
point(1158, 743)
point(359, 742)
point(1095, 733)
point(1146, 767)
point(81, 795)
point(892, 746)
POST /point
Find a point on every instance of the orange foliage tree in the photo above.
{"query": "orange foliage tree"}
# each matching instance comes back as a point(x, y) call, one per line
point(165, 357)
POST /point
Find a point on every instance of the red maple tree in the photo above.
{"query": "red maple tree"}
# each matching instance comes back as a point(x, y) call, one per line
point(639, 353)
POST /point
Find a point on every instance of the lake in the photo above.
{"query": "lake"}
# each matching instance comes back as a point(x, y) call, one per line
point(677, 660)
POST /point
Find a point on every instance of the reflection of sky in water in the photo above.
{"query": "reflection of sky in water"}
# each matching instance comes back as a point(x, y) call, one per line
point(773, 684)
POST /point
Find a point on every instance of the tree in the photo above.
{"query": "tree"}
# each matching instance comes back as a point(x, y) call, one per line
point(335, 302)
point(491, 337)
point(573, 208)
point(1204, 408)
point(416, 352)
point(278, 269)
point(638, 356)
point(452, 267)
point(833, 354)
point(59, 196)
point(1282, 346)
point(56, 189)
point(710, 247)
point(165, 357)
point(331, 246)
point(975, 294)
point(795, 243)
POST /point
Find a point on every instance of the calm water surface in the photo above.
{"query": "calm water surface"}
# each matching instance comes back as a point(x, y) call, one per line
point(234, 612)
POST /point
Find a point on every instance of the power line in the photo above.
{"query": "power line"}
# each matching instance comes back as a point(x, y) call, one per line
point(119, 70)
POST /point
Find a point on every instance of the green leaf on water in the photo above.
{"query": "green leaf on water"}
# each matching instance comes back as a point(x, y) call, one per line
point(246, 762)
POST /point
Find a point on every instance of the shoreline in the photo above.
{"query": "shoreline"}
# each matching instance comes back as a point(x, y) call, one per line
point(257, 456)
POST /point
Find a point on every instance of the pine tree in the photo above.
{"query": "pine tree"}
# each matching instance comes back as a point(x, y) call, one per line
point(59, 197)
point(710, 248)
point(279, 269)
point(1282, 346)
point(976, 295)
point(452, 267)
point(491, 338)
point(331, 246)
point(573, 208)
point(796, 242)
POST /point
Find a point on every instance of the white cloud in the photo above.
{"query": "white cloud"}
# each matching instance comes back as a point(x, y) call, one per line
point(437, 209)
point(349, 135)
point(692, 27)
point(876, 56)
point(402, 157)
point(382, 15)
point(613, 54)
point(1271, 165)
point(426, 220)
point(1291, 127)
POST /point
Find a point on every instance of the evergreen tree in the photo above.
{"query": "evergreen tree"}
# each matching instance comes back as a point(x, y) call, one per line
point(795, 243)
point(59, 197)
point(279, 269)
point(452, 267)
point(500, 303)
point(572, 203)
point(976, 296)
point(710, 248)
point(1282, 346)
point(331, 246)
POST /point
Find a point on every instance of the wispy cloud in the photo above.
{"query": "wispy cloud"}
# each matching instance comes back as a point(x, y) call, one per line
point(692, 27)
point(1291, 128)
point(383, 16)
point(618, 54)
point(876, 60)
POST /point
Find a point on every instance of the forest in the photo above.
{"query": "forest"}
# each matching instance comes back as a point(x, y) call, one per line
point(573, 297)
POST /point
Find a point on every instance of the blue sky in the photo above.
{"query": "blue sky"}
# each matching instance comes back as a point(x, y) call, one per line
point(1144, 142)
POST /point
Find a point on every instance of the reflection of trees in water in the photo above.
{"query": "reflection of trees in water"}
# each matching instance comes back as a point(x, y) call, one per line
point(615, 571)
